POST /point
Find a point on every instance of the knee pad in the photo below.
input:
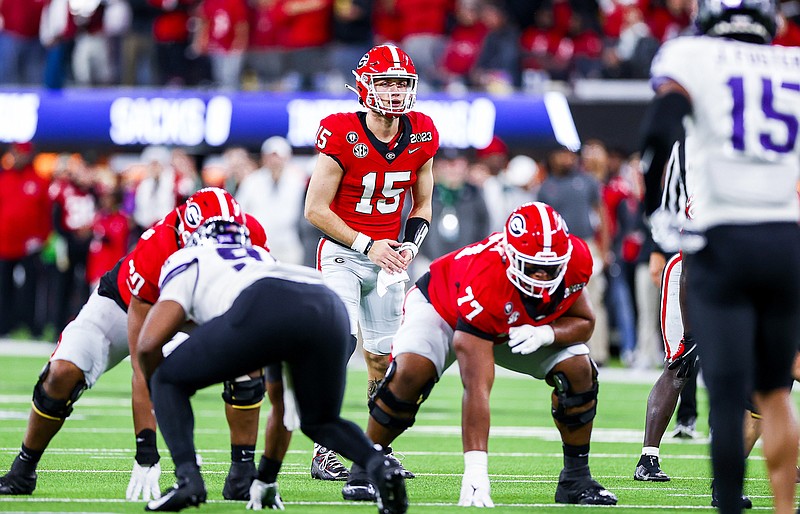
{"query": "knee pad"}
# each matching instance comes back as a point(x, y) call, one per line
point(50, 408)
point(383, 393)
point(568, 399)
point(244, 392)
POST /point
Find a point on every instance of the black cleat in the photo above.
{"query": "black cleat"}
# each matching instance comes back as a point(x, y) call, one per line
point(358, 487)
point(648, 470)
point(186, 493)
point(583, 491)
point(747, 503)
point(392, 497)
point(237, 483)
point(390, 455)
point(18, 481)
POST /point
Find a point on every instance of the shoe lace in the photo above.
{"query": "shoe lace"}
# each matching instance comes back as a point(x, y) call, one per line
point(330, 462)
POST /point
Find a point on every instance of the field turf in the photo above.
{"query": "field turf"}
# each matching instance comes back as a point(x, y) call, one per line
point(88, 465)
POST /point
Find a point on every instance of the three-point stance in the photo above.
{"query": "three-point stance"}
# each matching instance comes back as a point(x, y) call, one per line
point(514, 299)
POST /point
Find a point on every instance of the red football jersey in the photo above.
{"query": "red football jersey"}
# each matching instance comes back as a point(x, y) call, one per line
point(469, 286)
point(141, 268)
point(376, 175)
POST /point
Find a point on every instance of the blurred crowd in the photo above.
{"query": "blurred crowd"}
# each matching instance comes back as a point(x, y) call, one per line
point(497, 46)
point(68, 218)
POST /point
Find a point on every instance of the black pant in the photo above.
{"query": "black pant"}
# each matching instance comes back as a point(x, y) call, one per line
point(18, 304)
point(273, 320)
point(744, 308)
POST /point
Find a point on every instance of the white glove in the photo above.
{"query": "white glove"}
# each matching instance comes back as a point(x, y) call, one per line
point(387, 279)
point(666, 230)
point(475, 487)
point(527, 339)
point(264, 495)
point(144, 481)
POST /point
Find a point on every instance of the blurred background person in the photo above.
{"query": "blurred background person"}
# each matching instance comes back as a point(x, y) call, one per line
point(24, 227)
point(223, 33)
point(157, 193)
point(460, 216)
point(110, 230)
point(73, 216)
point(274, 194)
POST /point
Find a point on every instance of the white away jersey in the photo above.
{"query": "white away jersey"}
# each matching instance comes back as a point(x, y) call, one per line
point(742, 137)
point(205, 280)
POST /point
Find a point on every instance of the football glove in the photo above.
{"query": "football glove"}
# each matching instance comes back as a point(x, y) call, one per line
point(687, 360)
point(666, 230)
point(263, 495)
point(144, 482)
point(527, 339)
point(475, 487)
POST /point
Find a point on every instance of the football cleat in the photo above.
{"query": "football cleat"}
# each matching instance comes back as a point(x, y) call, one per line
point(746, 502)
point(583, 491)
point(188, 492)
point(391, 456)
point(237, 483)
point(358, 487)
point(326, 465)
point(648, 470)
point(18, 481)
point(686, 429)
point(392, 497)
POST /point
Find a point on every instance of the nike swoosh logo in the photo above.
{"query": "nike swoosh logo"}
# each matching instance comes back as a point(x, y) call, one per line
point(414, 150)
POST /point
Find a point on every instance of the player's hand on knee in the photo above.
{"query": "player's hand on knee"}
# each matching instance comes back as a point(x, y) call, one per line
point(144, 482)
point(264, 495)
point(475, 487)
point(527, 339)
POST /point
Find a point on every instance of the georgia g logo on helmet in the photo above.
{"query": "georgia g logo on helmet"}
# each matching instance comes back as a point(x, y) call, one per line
point(516, 225)
point(193, 215)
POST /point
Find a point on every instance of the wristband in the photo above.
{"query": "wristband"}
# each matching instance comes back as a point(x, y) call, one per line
point(362, 243)
point(476, 460)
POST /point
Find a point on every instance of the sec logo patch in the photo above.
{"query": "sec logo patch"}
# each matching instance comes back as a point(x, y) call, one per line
point(360, 150)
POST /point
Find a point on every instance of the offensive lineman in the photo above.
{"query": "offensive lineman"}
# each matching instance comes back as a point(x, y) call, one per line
point(523, 287)
point(97, 340)
point(367, 162)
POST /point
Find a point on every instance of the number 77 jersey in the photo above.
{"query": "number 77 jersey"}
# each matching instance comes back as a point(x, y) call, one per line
point(376, 174)
point(742, 153)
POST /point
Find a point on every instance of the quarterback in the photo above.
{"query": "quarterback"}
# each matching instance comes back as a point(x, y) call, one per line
point(367, 163)
point(514, 299)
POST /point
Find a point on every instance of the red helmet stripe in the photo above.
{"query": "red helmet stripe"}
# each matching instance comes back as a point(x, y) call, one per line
point(395, 55)
point(547, 231)
point(224, 210)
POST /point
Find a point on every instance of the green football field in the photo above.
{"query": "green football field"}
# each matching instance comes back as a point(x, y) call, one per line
point(87, 467)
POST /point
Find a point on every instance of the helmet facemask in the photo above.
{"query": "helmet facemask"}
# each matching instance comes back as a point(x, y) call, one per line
point(219, 231)
point(522, 267)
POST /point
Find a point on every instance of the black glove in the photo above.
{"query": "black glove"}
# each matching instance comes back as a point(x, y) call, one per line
point(687, 360)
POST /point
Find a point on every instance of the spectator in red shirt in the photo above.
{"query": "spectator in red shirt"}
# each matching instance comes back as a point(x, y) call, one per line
point(24, 227)
point(264, 53)
point(110, 232)
point(462, 48)
point(423, 33)
point(304, 29)
point(171, 34)
point(223, 34)
point(21, 54)
point(788, 32)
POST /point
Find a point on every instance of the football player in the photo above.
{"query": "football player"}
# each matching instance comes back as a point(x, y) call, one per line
point(251, 310)
point(98, 339)
point(513, 299)
point(738, 100)
point(367, 163)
